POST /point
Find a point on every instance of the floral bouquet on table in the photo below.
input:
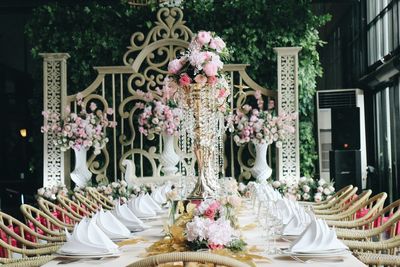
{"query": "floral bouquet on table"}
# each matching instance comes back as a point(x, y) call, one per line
point(202, 64)
point(79, 130)
point(50, 193)
point(325, 190)
point(210, 230)
point(115, 191)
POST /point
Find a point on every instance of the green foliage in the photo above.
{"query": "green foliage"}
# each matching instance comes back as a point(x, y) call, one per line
point(96, 33)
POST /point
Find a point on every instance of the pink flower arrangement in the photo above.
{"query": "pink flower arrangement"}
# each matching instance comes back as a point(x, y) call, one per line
point(202, 64)
point(159, 116)
point(260, 126)
point(79, 130)
point(210, 229)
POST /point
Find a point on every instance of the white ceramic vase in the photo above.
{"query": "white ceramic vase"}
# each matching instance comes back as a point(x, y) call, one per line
point(169, 159)
point(261, 170)
point(81, 174)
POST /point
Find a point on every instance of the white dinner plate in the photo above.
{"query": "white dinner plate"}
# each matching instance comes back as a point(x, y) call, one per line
point(316, 254)
point(150, 218)
point(87, 255)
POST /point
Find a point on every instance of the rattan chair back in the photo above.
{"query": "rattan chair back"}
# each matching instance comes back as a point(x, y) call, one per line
point(188, 257)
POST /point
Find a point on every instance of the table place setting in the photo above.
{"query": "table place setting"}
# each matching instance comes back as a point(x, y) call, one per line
point(128, 218)
point(87, 241)
point(111, 226)
point(141, 208)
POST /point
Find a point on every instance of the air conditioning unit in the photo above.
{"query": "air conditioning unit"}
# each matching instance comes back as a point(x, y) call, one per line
point(326, 100)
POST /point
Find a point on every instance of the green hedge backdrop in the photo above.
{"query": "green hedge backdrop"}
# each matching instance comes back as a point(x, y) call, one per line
point(96, 33)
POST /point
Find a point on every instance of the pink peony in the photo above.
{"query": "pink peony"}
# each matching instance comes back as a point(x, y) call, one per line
point(210, 69)
point(220, 44)
point(185, 80)
point(203, 37)
point(174, 66)
point(212, 80)
point(200, 79)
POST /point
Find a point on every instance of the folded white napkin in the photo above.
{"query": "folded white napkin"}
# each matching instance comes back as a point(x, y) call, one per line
point(160, 193)
point(295, 226)
point(88, 238)
point(317, 238)
point(286, 209)
point(152, 203)
point(141, 208)
point(110, 225)
point(128, 218)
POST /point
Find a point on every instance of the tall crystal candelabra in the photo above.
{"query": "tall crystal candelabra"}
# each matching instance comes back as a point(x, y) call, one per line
point(203, 125)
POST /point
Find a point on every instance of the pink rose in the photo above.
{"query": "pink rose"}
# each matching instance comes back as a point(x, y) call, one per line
point(210, 69)
point(185, 80)
point(220, 44)
point(209, 213)
point(203, 37)
point(215, 246)
point(174, 66)
point(200, 79)
point(212, 80)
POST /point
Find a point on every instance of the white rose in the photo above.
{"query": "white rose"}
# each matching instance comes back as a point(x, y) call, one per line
point(320, 189)
point(331, 188)
point(303, 179)
point(122, 190)
point(123, 183)
point(241, 187)
point(306, 188)
point(298, 197)
point(47, 194)
point(276, 184)
point(115, 184)
point(306, 196)
point(41, 191)
point(327, 191)
point(321, 182)
point(317, 197)
point(155, 120)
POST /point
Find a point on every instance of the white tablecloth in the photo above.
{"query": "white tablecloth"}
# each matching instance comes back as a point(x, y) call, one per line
point(253, 237)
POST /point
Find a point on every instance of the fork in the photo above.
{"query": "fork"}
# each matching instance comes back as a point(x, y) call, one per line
point(317, 260)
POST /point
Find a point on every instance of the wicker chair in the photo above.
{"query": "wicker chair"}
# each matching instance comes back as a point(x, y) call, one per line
point(62, 213)
point(376, 259)
point(349, 210)
point(338, 205)
point(26, 262)
point(98, 198)
point(74, 208)
point(19, 239)
point(22, 233)
point(186, 257)
point(386, 228)
point(86, 203)
point(374, 207)
point(50, 225)
point(338, 194)
point(388, 246)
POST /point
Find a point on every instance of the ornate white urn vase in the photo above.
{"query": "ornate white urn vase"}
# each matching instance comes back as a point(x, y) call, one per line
point(81, 174)
point(169, 159)
point(261, 170)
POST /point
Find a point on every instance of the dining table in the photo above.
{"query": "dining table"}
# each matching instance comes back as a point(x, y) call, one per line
point(251, 232)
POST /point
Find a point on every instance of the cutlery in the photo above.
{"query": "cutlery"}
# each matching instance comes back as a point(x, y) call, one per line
point(316, 259)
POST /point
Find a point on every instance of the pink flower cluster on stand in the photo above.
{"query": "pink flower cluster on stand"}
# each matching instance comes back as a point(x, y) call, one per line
point(202, 64)
point(260, 126)
point(79, 130)
point(159, 116)
point(210, 229)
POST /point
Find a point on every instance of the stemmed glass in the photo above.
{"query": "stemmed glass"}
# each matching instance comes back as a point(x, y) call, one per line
point(274, 226)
